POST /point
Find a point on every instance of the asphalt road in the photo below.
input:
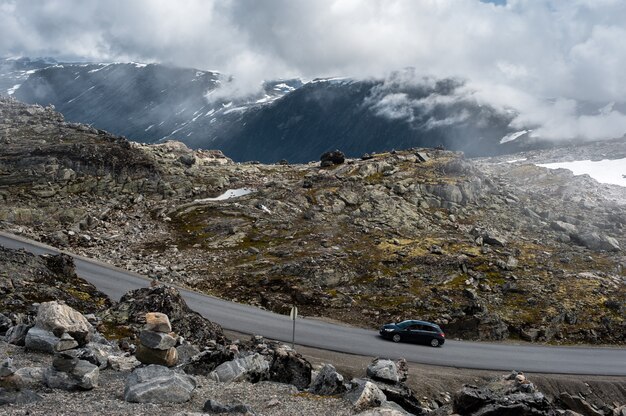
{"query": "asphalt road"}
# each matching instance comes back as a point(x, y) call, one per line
point(314, 333)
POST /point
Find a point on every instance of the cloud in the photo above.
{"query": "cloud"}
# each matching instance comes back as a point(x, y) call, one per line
point(554, 63)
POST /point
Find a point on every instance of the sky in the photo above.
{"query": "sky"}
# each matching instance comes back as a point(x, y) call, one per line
point(558, 65)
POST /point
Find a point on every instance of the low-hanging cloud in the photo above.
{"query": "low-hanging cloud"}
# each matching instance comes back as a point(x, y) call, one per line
point(557, 66)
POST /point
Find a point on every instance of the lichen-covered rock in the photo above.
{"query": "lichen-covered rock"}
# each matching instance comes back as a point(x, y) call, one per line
point(158, 322)
point(133, 306)
point(158, 384)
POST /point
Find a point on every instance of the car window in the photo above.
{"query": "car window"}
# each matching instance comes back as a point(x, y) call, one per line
point(429, 328)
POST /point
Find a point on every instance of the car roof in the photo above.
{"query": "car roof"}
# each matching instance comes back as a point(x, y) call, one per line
point(415, 321)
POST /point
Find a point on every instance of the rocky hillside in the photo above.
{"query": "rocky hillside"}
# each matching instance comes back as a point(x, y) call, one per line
point(150, 354)
point(489, 250)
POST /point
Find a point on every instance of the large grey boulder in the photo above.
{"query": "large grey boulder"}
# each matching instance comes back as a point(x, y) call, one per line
point(365, 395)
point(328, 382)
point(596, 242)
point(158, 384)
point(59, 318)
point(383, 370)
point(38, 339)
point(250, 368)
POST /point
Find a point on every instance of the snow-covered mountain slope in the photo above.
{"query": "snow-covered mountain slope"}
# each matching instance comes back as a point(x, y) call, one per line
point(143, 102)
point(14, 71)
point(286, 120)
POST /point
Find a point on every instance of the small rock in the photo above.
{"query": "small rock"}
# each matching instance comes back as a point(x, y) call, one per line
point(31, 376)
point(65, 343)
point(42, 340)
point(59, 318)
point(158, 322)
point(148, 355)
point(18, 397)
point(123, 363)
point(156, 340)
point(335, 157)
point(212, 406)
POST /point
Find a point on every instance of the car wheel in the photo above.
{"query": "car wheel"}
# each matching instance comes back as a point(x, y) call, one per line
point(396, 338)
point(434, 342)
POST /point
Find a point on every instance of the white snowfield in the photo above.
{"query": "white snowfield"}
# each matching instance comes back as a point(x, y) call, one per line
point(231, 193)
point(610, 171)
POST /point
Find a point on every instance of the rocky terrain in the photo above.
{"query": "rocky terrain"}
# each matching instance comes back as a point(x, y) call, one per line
point(130, 358)
point(487, 249)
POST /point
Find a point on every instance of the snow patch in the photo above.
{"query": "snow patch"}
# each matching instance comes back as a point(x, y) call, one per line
point(266, 209)
point(14, 88)
point(229, 194)
point(512, 136)
point(609, 171)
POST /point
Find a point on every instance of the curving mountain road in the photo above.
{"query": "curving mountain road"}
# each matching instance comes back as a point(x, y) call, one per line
point(247, 319)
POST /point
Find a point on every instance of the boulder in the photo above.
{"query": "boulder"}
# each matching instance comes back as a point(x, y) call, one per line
point(334, 157)
point(71, 374)
point(215, 407)
point(148, 355)
point(578, 405)
point(18, 397)
point(31, 376)
point(158, 384)
point(156, 340)
point(365, 395)
point(66, 342)
point(132, 308)
point(511, 395)
point(158, 322)
point(123, 363)
point(6, 368)
point(402, 395)
point(289, 367)
point(251, 368)
point(186, 352)
point(16, 335)
point(5, 324)
point(563, 227)
point(207, 361)
point(383, 370)
point(38, 339)
point(328, 382)
point(596, 242)
point(59, 318)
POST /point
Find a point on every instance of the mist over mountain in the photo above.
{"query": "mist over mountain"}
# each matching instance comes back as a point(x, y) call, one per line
point(287, 120)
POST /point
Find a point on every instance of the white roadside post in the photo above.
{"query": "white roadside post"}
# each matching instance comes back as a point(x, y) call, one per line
point(293, 315)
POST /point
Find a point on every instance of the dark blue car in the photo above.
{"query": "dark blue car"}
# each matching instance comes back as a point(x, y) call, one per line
point(421, 332)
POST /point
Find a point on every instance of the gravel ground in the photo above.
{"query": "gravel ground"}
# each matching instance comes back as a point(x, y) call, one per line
point(265, 398)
